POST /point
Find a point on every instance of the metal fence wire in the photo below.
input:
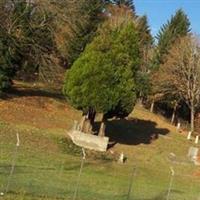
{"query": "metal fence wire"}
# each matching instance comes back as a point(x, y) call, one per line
point(36, 174)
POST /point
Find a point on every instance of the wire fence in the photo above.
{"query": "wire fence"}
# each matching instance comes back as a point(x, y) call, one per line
point(39, 174)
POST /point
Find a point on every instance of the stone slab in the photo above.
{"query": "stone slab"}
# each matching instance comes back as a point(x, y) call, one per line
point(89, 141)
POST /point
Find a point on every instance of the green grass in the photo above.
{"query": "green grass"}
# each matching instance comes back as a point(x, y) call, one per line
point(47, 167)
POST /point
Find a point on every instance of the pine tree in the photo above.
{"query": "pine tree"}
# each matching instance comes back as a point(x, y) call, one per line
point(146, 38)
point(5, 67)
point(128, 3)
point(91, 10)
point(146, 42)
point(177, 26)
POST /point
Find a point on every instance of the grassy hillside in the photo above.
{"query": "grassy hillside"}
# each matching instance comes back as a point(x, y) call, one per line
point(47, 164)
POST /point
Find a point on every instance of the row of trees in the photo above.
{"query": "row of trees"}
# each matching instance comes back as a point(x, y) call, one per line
point(176, 74)
point(41, 36)
point(111, 58)
point(123, 63)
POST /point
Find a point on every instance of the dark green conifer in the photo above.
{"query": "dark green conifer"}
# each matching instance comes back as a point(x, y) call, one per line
point(177, 26)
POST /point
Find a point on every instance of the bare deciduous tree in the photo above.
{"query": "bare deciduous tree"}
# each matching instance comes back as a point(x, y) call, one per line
point(182, 72)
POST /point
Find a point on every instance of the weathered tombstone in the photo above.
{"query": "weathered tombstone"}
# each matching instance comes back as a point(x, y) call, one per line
point(197, 139)
point(79, 136)
point(178, 126)
point(87, 128)
point(189, 135)
point(89, 141)
point(121, 158)
point(172, 155)
point(102, 130)
point(193, 153)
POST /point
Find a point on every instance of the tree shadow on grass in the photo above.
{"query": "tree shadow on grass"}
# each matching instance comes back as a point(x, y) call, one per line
point(32, 92)
point(132, 131)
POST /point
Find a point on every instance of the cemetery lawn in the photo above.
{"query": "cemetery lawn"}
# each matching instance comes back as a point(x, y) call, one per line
point(47, 164)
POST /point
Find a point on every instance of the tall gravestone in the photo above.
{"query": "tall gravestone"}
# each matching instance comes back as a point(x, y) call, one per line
point(193, 153)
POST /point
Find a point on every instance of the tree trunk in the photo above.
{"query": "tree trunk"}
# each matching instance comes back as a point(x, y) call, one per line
point(173, 114)
point(192, 118)
point(173, 117)
point(102, 130)
point(91, 116)
point(152, 106)
point(140, 99)
point(102, 127)
point(89, 121)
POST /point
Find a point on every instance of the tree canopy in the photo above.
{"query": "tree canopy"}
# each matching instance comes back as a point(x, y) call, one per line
point(103, 77)
point(128, 3)
point(177, 26)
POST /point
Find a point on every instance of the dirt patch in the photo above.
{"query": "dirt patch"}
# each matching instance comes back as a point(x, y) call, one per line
point(41, 111)
point(196, 173)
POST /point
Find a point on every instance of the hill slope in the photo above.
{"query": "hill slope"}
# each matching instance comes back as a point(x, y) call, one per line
point(47, 164)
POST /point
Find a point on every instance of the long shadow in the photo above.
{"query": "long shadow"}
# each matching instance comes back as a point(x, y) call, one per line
point(31, 92)
point(132, 132)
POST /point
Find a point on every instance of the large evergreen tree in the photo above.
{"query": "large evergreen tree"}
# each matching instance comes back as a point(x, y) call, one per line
point(102, 79)
point(146, 43)
point(92, 11)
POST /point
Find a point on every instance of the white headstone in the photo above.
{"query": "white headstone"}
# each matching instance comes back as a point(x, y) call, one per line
point(197, 139)
point(193, 153)
point(121, 158)
point(189, 135)
point(178, 126)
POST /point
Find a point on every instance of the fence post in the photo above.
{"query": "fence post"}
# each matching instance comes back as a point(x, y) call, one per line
point(79, 176)
point(13, 164)
point(131, 182)
point(170, 183)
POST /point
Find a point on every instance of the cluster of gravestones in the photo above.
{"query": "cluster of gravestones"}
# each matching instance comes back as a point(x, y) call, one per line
point(189, 136)
point(193, 152)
